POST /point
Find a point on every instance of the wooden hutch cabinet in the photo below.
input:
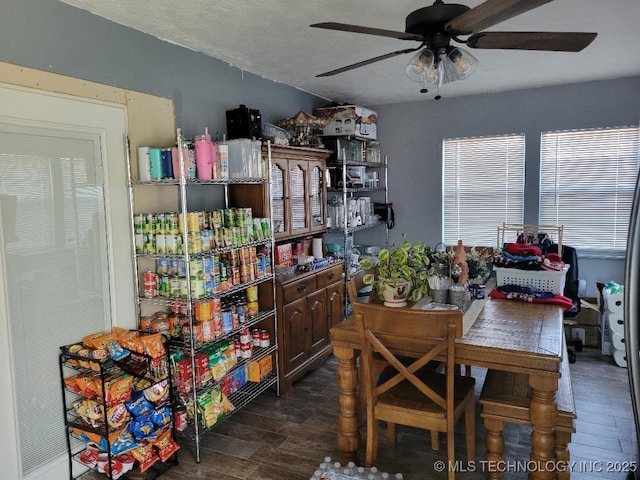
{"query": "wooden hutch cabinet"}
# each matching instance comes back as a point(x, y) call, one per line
point(309, 303)
point(299, 191)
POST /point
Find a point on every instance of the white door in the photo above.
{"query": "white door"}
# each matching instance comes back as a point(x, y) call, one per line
point(65, 260)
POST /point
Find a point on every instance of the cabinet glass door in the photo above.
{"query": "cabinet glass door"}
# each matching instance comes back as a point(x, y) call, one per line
point(298, 193)
point(316, 196)
point(278, 199)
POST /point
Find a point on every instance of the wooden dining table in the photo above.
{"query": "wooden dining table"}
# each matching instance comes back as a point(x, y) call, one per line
point(505, 335)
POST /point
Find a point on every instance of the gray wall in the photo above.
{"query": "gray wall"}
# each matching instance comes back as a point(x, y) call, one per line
point(411, 135)
point(52, 36)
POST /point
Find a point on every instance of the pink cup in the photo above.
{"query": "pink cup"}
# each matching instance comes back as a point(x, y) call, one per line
point(204, 159)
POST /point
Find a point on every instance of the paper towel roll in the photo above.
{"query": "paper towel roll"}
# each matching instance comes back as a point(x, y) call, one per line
point(617, 341)
point(316, 248)
point(620, 357)
point(616, 322)
point(614, 302)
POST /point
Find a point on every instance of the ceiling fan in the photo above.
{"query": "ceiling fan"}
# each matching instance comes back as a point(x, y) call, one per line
point(436, 26)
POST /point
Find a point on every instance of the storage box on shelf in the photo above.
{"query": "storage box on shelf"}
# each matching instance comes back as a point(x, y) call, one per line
point(349, 120)
point(205, 280)
point(116, 396)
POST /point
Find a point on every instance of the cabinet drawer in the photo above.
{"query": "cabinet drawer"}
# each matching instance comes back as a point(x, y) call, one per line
point(329, 276)
point(298, 289)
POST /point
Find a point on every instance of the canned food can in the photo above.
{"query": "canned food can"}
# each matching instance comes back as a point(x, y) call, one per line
point(264, 338)
point(479, 291)
point(139, 240)
point(171, 244)
point(149, 276)
point(193, 224)
point(255, 336)
point(227, 321)
point(149, 244)
point(235, 276)
point(265, 223)
point(245, 335)
point(164, 285)
point(172, 223)
point(195, 245)
point(150, 223)
point(161, 243)
point(196, 267)
point(174, 286)
point(245, 350)
point(203, 310)
point(229, 217)
point(257, 230)
point(184, 291)
point(197, 287)
point(149, 290)
point(216, 220)
point(160, 223)
point(138, 223)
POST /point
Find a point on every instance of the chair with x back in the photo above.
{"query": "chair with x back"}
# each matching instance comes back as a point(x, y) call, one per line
point(411, 395)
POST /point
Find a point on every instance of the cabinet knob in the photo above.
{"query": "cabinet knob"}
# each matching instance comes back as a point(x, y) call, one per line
point(330, 276)
point(301, 288)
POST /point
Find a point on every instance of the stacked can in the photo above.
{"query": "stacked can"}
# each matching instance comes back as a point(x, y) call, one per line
point(252, 301)
point(149, 283)
point(245, 343)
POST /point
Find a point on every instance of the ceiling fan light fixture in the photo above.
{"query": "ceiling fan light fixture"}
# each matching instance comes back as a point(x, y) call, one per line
point(462, 62)
point(419, 65)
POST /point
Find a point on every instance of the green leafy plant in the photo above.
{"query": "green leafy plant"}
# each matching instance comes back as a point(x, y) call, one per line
point(405, 262)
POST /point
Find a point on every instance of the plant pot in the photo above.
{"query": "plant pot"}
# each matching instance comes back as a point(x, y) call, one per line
point(395, 295)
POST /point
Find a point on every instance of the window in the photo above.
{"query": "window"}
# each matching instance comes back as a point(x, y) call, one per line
point(587, 181)
point(483, 187)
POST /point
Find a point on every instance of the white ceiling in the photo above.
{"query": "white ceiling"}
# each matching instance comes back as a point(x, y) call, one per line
point(272, 39)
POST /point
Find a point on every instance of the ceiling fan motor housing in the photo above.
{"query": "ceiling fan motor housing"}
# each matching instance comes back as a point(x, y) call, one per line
point(430, 21)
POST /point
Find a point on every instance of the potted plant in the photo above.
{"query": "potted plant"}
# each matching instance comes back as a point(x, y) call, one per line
point(402, 273)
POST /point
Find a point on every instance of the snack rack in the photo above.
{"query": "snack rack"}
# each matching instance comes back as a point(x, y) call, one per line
point(97, 393)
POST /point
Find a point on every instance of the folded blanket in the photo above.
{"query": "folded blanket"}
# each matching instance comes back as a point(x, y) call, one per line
point(560, 300)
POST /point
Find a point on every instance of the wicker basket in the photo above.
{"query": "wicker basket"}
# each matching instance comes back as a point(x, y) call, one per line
point(542, 280)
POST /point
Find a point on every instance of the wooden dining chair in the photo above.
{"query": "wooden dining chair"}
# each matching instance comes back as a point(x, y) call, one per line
point(411, 395)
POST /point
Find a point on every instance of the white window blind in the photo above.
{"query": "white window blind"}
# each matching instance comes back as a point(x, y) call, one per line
point(587, 180)
point(483, 187)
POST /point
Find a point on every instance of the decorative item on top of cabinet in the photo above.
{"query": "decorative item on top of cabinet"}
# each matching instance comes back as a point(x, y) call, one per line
point(298, 191)
point(309, 304)
point(205, 280)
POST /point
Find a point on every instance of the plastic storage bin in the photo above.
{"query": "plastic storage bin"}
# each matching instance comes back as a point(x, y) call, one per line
point(542, 280)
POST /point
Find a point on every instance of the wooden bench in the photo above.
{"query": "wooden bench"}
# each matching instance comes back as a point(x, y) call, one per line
point(505, 397)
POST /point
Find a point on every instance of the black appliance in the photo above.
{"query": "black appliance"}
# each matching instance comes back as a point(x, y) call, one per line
point(244, 122)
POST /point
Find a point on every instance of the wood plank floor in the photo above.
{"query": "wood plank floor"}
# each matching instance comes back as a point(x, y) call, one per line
point(286, 438)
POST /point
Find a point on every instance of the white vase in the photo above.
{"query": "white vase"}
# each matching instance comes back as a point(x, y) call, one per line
point(395, 294)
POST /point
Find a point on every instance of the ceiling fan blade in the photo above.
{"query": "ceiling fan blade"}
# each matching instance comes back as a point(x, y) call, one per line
point(490, 13)
point(548, 41)
point(346, 27)
point(366, 62)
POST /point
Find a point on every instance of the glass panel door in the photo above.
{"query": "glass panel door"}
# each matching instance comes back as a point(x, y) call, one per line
point(297, 184)
point(278, 199)
point(316, 196)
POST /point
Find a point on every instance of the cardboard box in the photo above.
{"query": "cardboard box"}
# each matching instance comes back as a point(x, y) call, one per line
point(349, 120)
point(589, 316)
point(257, 370)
